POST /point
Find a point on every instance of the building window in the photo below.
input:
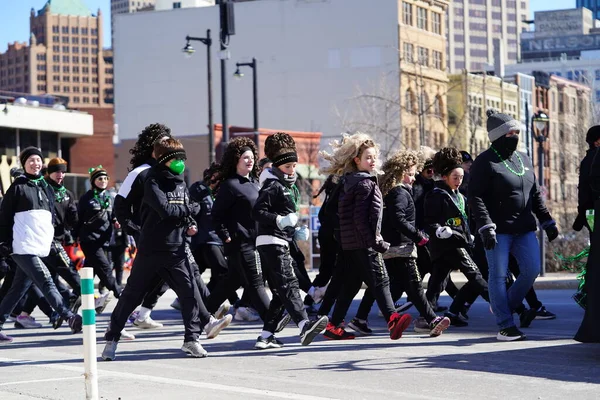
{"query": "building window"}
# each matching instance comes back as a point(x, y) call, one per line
point(65, 59)
point(85, 60)
point(96, 100)
point(66, 69)
point(85, 79)
point(65, 49)
point(86, 89)
point(84, 31)
point(437, 59)
point(85, 50)
point(177, 4)
point(76, 79)
point(76, 89)
point(66, 78)
point(86, 100)
point(409, 101)
point(406, 13)
point(409, 50)
point(437, 106)
point(108, 81)
point(56, 68)
point(41, 78)
point(75, 30)
point(436, 20)
point(75, 70)
point(423, 56)
point(65, 29)
point(75, 49)
point(65, 39)
point(422, 18)
point(55, 78)
point(94, 60)
point(75, 59)
point(55, 39)
point(84, 41)
point(66, 89)
point(55, 29)
point(56, 88)
point(95, 90)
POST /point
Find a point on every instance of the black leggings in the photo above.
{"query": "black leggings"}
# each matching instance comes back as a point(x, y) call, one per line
point(404, 276)
point(363, 265)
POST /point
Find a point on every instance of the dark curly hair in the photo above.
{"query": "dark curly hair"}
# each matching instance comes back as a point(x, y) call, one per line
point(279, 143)
point(142, 149)
point(210, 171)
point(232, 155)
point(446, 160)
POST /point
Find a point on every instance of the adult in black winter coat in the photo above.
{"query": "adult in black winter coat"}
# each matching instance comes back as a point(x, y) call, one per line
point(451, 240)
point(589, 199)
point(504, 196)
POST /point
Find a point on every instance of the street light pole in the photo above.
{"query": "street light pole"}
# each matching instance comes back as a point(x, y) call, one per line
point(540, 121)
point(189, 50)
point(238, 74)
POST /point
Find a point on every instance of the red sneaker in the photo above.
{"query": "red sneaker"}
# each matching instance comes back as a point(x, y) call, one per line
point(398, 324)
point(337, 333)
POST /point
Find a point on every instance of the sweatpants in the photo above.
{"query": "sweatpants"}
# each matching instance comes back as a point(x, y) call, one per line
point(59, 264)
point(95, 257)
point(244, 269)
point(276, 262)
point(335, 284)
point(31, 270)
point(363, 265)
point(327, 255)
point(457, 258)
point(174, 268)
point(404, 276)
point(213, 256)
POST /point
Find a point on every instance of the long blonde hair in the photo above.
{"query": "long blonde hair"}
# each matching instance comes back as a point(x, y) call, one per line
point(395, 167)
point(344, 152)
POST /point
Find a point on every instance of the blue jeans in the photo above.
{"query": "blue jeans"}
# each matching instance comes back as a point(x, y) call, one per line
point(526, 250)
point(31, 269)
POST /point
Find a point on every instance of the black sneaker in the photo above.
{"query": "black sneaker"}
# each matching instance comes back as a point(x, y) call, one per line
point(269, 343)
point(527, 317)
point(360, 327)
point(76, 323)
point(464, 312)
point(511, 334)
point(58, 321)
point(312, 329)
point(455, 320)
point(542, 313)
point(283, 322)
point(74, 304)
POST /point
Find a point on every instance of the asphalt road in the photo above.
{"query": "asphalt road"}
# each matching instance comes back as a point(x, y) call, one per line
point(464, 363)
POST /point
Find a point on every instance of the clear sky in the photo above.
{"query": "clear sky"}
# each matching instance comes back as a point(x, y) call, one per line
point(14, 16)
point(14, 19)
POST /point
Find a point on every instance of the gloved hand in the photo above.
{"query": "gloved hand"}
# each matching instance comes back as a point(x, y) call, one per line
point(289, 220)
point(488, 237)
point(424, 239)
point(580, 222)
point(551, 232)
point(302, 233)
point(443, 232)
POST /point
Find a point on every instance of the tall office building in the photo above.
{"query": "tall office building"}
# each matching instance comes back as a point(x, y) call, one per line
point(64, 56)
point(593, 5)
point(126, 7)
point(474, 24)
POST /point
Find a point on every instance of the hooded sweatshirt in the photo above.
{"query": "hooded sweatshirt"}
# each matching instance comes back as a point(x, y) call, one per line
point(274, 199)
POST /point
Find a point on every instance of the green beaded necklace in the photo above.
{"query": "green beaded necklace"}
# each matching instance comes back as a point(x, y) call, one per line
point(521, 173)
point(295, 197)
point(60, 193)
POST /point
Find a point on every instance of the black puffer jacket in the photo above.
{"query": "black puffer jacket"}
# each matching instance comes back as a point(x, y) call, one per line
point(274, 199)
point(499, 196)
point(360, 212)
point(201, 194)
point(399, 215)
point(166, 211)
point(441, 209)
point(96, 218)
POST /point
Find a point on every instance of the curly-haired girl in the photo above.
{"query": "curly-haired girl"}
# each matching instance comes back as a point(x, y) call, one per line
point(232, 219)
point(451, 240)
point(360, 210)
point(399, 230)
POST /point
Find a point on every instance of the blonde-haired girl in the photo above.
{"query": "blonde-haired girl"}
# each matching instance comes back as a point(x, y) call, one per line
point(360, 210)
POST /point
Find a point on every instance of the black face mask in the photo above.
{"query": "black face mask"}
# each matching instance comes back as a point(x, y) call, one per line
point(506, 145)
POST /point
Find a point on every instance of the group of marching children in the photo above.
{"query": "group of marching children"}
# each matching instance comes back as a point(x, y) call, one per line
point(382, 224)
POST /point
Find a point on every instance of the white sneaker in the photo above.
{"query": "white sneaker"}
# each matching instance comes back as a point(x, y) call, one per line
point(27, 322)
point(223, 309)
point(101, 302)
point(319, 293)
point(215, 326)
point(245, 314)
point(126, 335)
point(147, 323)
point(194, 349)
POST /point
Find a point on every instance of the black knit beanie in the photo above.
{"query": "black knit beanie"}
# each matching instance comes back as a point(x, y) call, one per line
point(499, 124)
point(592, 135)
point(28, 152)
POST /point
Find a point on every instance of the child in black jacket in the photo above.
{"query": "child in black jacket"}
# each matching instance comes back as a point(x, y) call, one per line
point(166, 220)
point(275, 211)
point(398, 228)
point(451, 240)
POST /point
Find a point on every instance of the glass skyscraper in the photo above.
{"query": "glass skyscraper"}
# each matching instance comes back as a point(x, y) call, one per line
point(593, 5)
